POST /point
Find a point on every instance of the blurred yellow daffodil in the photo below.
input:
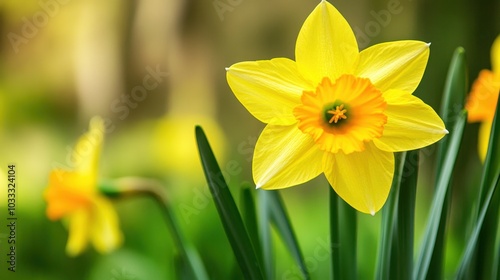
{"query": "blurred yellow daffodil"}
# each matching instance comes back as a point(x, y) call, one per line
point(173, 146)
point(483, 99)
point(73, 194)
point(336, 110)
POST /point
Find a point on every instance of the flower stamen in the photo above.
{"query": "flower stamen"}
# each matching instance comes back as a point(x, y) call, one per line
point(338, 113)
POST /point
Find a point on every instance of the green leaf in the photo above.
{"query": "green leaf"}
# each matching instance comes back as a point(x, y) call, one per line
point(250, 218)
point(272, 211)
point(343, 234)
point(282, 223)
point(264, 213)
point(438, 202)
point(406, 215)
point(388, 227)
point(496, 257)
point(189, 266)
point(487, 238)
point(472, 242)
point(228, 212)
point(453, 101)
point(455, 91)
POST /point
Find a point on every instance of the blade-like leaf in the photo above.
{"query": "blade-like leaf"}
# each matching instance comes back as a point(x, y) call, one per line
point(492, 161)
point(181, 268)
point(282, 223)
point(488, 235)
point(496, 267)
point(472, 241)
point(228, 212)
point(250, 218)
point(432, 225)
point(453, 101)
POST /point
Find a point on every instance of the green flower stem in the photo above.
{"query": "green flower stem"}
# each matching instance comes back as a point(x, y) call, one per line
point(406, 215)
point(343, 234)
point(348, 237)
point(265, 233)
point(249, 215)
point(334, 236)
point(133, 187)
point(388, 230)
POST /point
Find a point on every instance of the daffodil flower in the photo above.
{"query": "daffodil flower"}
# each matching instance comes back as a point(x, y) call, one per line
point(337, 111)
point(74, 195)
point(483, 99)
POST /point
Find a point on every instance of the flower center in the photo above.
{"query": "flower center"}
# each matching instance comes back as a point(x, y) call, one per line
point(338, 113)
point(342, 115)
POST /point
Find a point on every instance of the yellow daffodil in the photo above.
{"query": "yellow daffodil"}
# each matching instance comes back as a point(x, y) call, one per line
point(336, 110)
point(73, 194)
point(483, 99)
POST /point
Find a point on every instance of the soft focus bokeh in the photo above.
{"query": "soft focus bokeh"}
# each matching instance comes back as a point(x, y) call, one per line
point(154, 69)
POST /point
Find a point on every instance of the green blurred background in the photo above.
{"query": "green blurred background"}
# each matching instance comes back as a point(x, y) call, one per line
point(62, 62)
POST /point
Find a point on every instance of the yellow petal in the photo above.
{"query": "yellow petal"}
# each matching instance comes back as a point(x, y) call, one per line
point(362, 179)
point(285, 156)
point(411, 124)
point(394, 65)
point(484, 139)
point(79, 230)
point(326, 46)
point(482, 100)
point(269, 89)
point(85, 156)
point(495, 57)
point(67, 192)
point(105, 231)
